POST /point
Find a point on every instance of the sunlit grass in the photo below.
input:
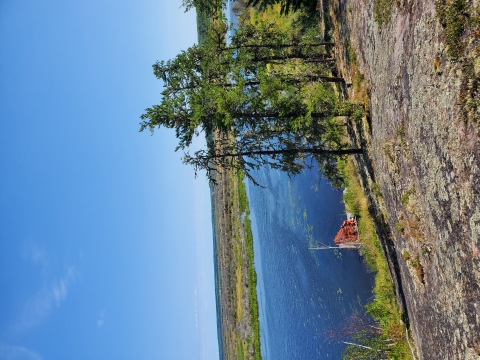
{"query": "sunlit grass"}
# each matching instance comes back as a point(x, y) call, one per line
point(384, 308)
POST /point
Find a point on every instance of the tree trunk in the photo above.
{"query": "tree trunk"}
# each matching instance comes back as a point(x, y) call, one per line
point(288, 151)
point(278, 46)
point(319, 58)
point(332, 79)
point(314, 115)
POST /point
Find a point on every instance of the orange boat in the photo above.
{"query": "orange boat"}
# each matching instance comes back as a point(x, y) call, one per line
point(347, 236)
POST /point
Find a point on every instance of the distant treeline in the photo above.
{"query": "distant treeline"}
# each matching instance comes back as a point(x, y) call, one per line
point(212, 7)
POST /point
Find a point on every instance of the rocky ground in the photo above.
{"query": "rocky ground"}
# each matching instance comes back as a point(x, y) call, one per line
point(424, 154)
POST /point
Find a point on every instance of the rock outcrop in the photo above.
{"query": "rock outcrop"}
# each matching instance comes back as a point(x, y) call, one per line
point(426, 159)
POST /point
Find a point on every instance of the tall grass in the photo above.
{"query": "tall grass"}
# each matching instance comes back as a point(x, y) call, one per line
point(384, 308)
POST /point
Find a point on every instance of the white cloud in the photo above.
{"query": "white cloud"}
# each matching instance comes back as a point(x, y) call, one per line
point(36, 254)
point(8, 352)
point(59, 291)
point(101, 319)
point(39, 307)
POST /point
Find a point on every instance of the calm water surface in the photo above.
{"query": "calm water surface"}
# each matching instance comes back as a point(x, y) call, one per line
point(302, 293)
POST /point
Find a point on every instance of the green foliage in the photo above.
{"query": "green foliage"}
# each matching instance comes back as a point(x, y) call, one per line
point(263, 90)
point(242, 195)
point(358, 113)
point(401, 132)
point(210, 8)
point(375, 189)
point(399, 227)
point(307, 21)
point(352, 58)
point(401, 135)
point(378, 311)
point(287, 6)
point(214, 7)
point(451, 15)
point(240, 352)
point(382, 10)
point(378, 347)
point(349, 198)
point(406, 196)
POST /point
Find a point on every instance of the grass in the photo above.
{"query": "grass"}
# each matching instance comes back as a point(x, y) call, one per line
point(352, 57)
point(239, 291)
point(375, 189)
point(384, 308)
point(401, 135)
point(406, 196)
point(360, 88)
point(451, 15)
point(351, 202)
point(240, 351)
point(399, 227)
point(382, 10)
point(252, 275)
point(461, 24)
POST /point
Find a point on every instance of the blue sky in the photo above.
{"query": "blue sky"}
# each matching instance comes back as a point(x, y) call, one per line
point(105, 236)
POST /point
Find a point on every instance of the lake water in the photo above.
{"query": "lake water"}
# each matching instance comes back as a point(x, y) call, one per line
point(302, 293)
